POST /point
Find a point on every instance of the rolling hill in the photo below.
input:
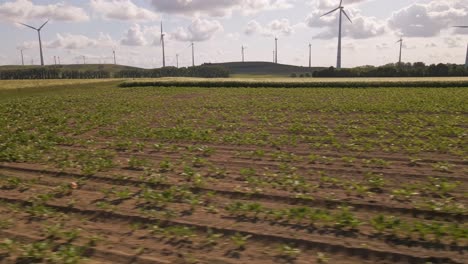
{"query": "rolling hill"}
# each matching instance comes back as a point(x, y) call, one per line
point(264, 68)
point(235, 68)
point(75, 67)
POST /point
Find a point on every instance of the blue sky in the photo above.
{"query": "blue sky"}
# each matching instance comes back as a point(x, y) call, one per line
point(93, 28)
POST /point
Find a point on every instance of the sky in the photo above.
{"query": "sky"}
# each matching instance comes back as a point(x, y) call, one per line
point(219, 28)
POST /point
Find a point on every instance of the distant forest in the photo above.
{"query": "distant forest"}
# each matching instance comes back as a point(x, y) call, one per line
point(53, 72)
point(418, 69)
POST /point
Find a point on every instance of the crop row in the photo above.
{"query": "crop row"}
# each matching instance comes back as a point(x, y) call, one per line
point(242, 84)
point(148, 198)
point(183, 230)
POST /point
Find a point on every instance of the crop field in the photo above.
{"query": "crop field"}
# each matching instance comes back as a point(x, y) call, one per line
point(272, 78)
point(103, 174)
point(24, 84)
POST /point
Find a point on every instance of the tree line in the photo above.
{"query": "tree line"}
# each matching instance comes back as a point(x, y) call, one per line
point(417, 69)
point(203, 71)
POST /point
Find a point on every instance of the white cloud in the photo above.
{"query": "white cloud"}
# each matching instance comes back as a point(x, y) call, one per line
point(122, 10)
point(134, 37)
point(454, 42)
point(218, 8)
point(382, 46)
point(328, 5)
point(253, 27)
point(233, 36)
point(362, 27)
point(138, 35)
point(70, 41)
point(281, 26)
point(274, 28)
point(345, 46)
point(198, 30)
point(429, 20)
point(73, 42)
point(24, 10)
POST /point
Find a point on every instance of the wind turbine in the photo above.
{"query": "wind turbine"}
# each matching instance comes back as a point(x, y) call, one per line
point(162, 43)
point(276, 50)
point(466, 60)
point(341, 10)
point(401, 47)
point(310, 55)
point(22, 57)
point(193, 54)
point(39, 34)
point(243, 53)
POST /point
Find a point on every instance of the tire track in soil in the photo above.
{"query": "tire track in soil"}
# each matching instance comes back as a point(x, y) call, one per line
point(365, 253)
point(221, 203)
point(315, 202)
point(103, 256)
point(242, 163)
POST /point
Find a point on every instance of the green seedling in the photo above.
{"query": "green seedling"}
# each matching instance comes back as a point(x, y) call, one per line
point(240, 241)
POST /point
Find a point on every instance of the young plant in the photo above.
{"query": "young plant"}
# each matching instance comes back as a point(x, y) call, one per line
point(345, 219)
point(240, 241)
point(443, 166)
point(322, 258)
point(289, 252)
point(135, 163)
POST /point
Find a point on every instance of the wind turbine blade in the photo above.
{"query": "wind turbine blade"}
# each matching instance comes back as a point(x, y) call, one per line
point(330, 12)
point(344, 12)
point(44, 24)
point(461, 26)
point(28, 26)
point(341, 2)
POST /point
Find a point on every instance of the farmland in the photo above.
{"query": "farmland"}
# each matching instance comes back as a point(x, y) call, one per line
point(96, 173)
point(25, 84)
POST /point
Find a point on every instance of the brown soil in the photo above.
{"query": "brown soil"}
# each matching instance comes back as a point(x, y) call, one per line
point(125, 224)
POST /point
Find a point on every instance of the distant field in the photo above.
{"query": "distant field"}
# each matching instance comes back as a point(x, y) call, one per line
point(208, 175)
point(22, 84)
point(266, 82)
point(270, 78)
point(73, 67)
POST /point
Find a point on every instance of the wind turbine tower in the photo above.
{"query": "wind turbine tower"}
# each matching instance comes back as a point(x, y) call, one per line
point(401, 47)
point(177, 60)
point(162, 44)
point(22, 57)
point(115, 60)
point(466, 60)
point(342, 11)
point(193, 54)
point(276, 50)
point(243, 53)
point(40, 41)
point(310, 55)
